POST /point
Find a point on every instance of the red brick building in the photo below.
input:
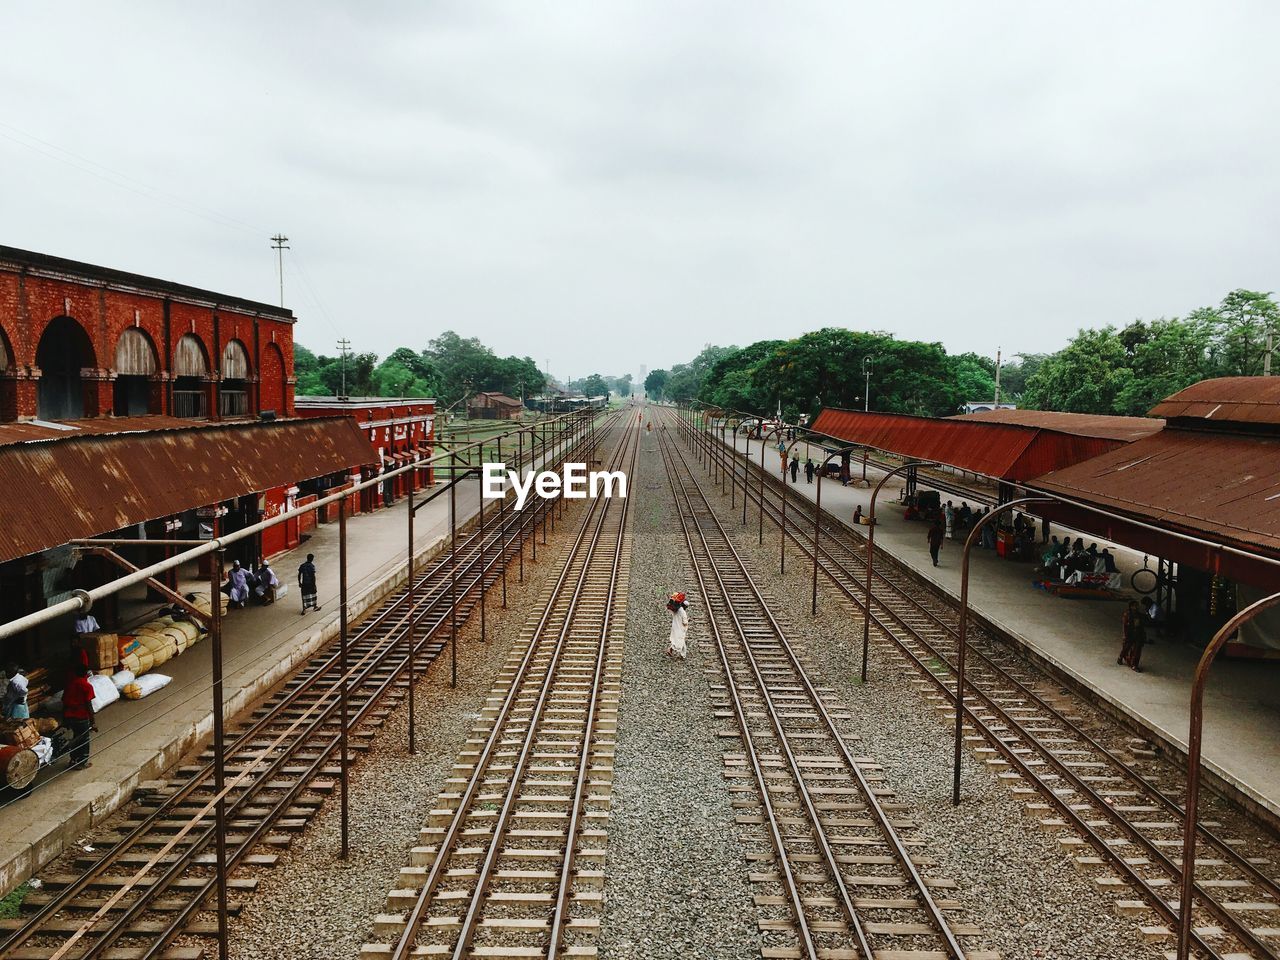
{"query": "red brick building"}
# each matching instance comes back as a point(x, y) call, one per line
point(400, 430)
point(78, 340)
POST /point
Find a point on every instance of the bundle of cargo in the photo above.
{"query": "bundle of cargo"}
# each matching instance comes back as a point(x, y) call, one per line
point(19, 733)
point(201, 602)
point(157, 642)
point(101, 649)
point(18, 766)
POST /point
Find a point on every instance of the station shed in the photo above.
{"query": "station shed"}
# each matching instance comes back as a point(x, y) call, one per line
point(400, 430)
point(1213, 473)
point(150, 479)
point(1009, 446)
point(494, 405)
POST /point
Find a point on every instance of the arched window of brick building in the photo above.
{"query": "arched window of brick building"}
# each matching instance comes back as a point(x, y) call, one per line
point(135, 371)
point(233, 389)
point(191, 373)
point(64, 350)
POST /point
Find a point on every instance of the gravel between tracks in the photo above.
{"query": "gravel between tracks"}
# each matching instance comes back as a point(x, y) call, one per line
point(313, 905)
point(676, 877)
point(1018, 886)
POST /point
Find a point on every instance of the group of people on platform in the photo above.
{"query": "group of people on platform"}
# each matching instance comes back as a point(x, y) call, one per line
point(243, 584)
point(1071, 562)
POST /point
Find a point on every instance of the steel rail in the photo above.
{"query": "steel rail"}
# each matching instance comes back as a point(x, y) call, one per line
point(1208, 902)
point(485, 873)
point(838, 534)
point(884, 825)
point(360, 672)
point(564, 890)
point(413, 922)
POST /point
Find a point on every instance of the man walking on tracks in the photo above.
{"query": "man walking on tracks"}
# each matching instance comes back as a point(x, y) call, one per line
point(678, 607)
point(937, 533)
point(307, 583)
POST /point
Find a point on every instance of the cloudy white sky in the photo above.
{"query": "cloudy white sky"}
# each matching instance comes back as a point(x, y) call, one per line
point(606, 185)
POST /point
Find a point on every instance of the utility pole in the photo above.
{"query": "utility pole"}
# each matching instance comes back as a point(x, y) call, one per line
point(279, 246)
point(866, 395)
point(996, 406)
point(344, 347)
point(1266, 357)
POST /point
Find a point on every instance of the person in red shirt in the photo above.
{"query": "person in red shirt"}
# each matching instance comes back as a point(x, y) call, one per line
point(77, 711)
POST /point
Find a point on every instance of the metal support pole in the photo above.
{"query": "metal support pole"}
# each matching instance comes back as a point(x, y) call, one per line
point(453, 578)
point(962, 633)
point(520, 528)
point(343, 758)
point(219, 748)
point(483, 572)
point(1194, 745)
point(502, 527)
point(760, 535)
point(782, 527)
point(871, 543)
point(817, 526)
point(413, 617)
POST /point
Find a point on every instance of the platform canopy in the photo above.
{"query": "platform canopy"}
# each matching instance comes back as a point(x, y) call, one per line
point(1012, 452)
point(1126, 429)
point(62, 482)
point(1212, 473)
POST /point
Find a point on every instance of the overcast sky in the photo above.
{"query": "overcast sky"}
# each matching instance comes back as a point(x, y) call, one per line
point(606, 185)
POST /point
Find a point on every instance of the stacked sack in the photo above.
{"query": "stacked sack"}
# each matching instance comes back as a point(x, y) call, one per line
point(157, 642)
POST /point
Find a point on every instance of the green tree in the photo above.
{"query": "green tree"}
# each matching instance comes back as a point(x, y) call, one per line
point(655, 384)
point(1246, 319)
point(594, 386)
point(1087, 376)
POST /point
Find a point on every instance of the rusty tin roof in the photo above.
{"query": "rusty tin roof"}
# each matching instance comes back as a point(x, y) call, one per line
point(1079, 424)
point(62, 489)
point(1226, 399)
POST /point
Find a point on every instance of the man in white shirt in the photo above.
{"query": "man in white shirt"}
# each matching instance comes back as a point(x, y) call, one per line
point(87, 623)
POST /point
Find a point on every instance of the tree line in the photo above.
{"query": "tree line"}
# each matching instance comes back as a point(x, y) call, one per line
point(1108, 370)
point(450, 368)
point(828, 368)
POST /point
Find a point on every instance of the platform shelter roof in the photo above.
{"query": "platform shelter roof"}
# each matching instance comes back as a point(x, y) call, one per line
point(1220, 486)
point(76, 486)
point(1252, 400)
point(1006, 451)
point(1126, 429)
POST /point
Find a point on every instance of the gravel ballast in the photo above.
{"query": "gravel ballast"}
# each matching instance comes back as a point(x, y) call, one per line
point(676, 878)
point(1016, 882)
point(314, 905)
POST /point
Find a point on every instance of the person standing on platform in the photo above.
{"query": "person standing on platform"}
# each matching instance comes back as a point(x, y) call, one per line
point(307, 583)
point(1135, 636)
point(949, 513)
point(795, 469)
point(937, 533)
point(809, 470)
point(678, 607)
point(15, 694)
point(77, 712)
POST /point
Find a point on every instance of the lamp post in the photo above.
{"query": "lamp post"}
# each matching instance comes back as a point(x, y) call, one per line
point(866, 393)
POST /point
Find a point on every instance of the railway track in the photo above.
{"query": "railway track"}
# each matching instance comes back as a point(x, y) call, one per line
point(1116, 805)
point(844, 879)
point(510, 862)
point(135, 890)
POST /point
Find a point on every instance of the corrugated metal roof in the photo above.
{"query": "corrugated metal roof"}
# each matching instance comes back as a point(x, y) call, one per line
point(81, 486)
point(1003, 450)
point(1222, 486)
point(27, 431)
point(1226, 399)
point(1127, 429)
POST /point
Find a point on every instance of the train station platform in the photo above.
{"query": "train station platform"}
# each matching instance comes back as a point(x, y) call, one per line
point(1080, 639)
point(139, 740)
